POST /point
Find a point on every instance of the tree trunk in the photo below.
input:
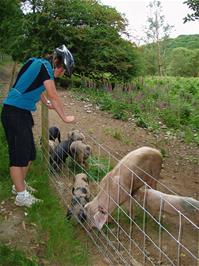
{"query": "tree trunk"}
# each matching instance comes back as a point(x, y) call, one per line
point(159, 59)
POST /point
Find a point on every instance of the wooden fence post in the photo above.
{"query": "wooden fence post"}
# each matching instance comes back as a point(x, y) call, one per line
point(44, 128)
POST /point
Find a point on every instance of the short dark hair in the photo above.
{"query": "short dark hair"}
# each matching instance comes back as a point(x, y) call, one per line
point(57, 61)
point(54, 60)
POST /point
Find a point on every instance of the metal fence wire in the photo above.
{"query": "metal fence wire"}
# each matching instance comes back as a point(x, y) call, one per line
point(136, 235)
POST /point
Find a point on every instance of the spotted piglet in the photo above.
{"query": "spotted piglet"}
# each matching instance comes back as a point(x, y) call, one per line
point(80, 196)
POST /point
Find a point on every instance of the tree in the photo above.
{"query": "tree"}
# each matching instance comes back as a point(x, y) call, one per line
point(10, 24)
point(51, 22)
point(91, 31)
point(184, 62)
point(194, 5)
point(150, 57)
point(157, 31)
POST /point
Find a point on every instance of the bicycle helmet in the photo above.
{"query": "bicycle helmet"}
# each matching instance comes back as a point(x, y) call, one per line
point(66, 58)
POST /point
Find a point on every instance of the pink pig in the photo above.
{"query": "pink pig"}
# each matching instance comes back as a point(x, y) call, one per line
point(170, 204)
point(138, 166)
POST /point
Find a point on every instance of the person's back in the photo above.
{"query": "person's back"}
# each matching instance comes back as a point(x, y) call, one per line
point(27, 89)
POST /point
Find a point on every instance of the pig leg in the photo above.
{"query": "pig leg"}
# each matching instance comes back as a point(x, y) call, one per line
point(129, 207)
point(77, 158)
point(86, 166)
point(156, 176)
point(69, 214)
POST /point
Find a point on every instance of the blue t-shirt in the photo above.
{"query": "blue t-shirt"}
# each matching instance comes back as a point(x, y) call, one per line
point(29, 85)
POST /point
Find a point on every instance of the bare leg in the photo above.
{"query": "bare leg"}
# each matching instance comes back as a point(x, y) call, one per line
point(18, 175)
point(25, 169)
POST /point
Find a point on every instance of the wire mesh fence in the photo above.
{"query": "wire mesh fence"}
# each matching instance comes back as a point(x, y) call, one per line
point(148, 228)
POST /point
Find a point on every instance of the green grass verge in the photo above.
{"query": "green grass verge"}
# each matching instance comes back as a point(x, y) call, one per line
point(60, 246)
point(5, 182)
point(10, 256)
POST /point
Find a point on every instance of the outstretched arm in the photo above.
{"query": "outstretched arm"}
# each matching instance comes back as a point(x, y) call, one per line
point(56, 102)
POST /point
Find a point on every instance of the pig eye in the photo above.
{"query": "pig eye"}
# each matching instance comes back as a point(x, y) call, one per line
point(84, 179)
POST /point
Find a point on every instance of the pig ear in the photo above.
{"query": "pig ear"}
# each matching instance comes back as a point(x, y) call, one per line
point(100, 219)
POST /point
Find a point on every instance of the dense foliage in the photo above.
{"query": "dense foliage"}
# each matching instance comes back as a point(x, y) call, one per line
point(185, 41)
point(91, 31)
point(10, 25)
point(180, 56)
point(183, 62)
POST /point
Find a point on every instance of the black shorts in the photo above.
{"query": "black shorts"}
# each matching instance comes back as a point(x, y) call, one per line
point(18, 124)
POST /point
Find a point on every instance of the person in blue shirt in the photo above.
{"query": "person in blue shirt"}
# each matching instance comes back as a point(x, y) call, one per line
point(35, 77)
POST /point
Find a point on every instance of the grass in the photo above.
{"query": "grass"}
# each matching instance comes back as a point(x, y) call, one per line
point(116, 134)
point(60, 247)
point(140, 219)
point(50, 218)
point(98, 168)
point(4, 59)
point(5, 182)
point(11, 256)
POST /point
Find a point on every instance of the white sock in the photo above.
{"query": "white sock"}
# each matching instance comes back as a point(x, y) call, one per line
point(22, 193)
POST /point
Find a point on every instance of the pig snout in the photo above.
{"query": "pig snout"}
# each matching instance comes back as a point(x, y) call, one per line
point(96, 217)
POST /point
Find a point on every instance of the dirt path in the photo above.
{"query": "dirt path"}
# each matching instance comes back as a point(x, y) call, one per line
point(5, 78)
